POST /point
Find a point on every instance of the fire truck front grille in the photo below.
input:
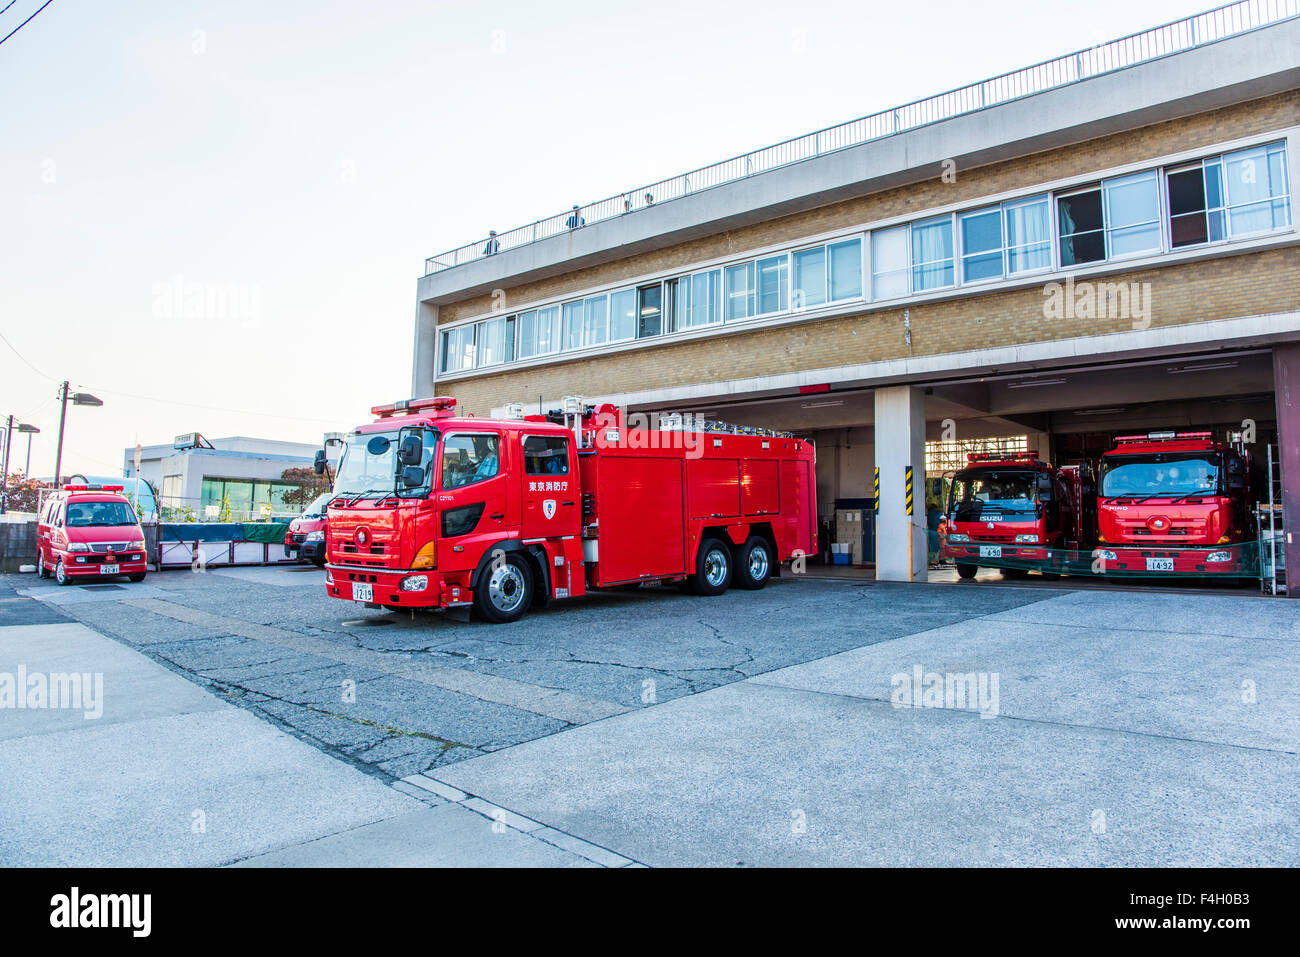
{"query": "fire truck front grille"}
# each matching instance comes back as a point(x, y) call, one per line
point(102, 547)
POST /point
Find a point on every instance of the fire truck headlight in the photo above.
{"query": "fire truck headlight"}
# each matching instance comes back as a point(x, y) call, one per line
point(1027, 539)
point(1107, 554)
point(137, 546)
point(415, 583)
point(315, 537)
point(426, 557)
point(78, 547)
point(958, 537)
point(1219, 557)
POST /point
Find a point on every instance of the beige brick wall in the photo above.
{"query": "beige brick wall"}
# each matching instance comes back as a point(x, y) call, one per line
point(1242, 285)
point(1201, 130)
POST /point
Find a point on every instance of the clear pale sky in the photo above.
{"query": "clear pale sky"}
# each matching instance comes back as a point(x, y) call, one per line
point(298, 160)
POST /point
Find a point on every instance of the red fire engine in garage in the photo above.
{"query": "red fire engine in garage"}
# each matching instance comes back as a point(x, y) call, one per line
point(1013, 510)
point(1174, 503)
point(431, 509)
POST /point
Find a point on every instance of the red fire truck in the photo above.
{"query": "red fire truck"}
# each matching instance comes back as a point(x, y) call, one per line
point(431, 509)
point(1174, 503)
point(1013, 510)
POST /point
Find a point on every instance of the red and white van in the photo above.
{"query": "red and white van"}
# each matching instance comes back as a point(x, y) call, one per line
point(89, 531)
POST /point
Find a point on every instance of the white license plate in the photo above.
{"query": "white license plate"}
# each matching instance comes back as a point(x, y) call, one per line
point(108, 569)
point(990, 551)
point(362, 592)
point(1160, 564)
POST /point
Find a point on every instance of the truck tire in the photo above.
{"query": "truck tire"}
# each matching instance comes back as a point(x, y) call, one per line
point(504, 591)
point(1015, 573)
point(966, 571)
point(41, 570)
point(713, 568)
point(753, 564)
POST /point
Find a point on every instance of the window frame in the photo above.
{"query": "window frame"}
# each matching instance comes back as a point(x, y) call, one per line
point(471, 433)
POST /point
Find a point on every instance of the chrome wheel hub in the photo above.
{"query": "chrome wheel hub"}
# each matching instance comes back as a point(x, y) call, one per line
point(506, 587)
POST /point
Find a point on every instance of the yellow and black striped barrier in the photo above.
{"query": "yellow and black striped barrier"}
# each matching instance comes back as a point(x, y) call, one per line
point(876, 492)
point(907, 488)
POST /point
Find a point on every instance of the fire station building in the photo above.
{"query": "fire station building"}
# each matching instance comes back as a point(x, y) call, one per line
point(1098, 244)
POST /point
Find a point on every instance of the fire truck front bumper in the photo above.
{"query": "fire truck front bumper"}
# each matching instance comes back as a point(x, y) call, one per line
point(77, 565)
point(398, 587)
point(1165, 560)
point(976, 552)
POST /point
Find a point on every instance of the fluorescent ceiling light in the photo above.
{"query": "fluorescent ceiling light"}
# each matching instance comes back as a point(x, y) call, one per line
point(1031, 383)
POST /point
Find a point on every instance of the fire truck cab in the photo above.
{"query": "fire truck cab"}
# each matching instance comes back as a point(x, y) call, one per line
point(89, 531)
point(1015, 511)
point(1174, 503)
point(434, 510)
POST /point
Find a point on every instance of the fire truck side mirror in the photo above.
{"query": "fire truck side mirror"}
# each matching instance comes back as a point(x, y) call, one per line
point(412, 476)
point(411, 452)
point(318, 466)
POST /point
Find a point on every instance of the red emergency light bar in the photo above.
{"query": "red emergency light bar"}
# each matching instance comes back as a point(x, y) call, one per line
point(439, 403)
point(1164, 437)
point(92, 488)
point(1029, 456)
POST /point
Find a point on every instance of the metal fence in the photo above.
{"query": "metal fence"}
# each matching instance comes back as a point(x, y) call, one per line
point(1217, 24)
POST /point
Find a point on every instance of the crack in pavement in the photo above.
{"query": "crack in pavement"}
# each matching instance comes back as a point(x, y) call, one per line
point(565, 706)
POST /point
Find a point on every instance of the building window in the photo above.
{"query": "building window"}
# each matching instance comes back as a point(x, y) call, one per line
point(1083, 238)
point(889, 265)
point(496, 341)
point(981, 245)
point(1132, 215)
point(650, 313)
point(846, 269)
point(772, 284)
point(699, 298)
point(572, 325)
point(740, 291)
point(932, 254)
point(538, 332)
point(1257, 193)
point(809, 277)
point(1195, 201)
point(595, 320)
point(1029, 235)
point(458, 348)
point(622, 315)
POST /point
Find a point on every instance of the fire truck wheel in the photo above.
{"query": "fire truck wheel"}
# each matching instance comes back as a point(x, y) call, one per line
point(966, 571)
point(41, 570)
point(136, 578)
point(712, 568)
point(753, 564)
point(60, 575)
point(504, 591)
point(1015, 573)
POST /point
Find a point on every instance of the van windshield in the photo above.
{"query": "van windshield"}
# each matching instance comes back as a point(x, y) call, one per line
point(97, 514)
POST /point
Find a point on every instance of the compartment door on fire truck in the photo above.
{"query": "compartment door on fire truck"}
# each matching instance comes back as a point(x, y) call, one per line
point(551, 495)
point(473, 498)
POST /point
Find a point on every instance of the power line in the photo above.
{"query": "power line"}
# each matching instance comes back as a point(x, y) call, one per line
point(210, 408)
point(19, 354)
point(7, 6)
point(25, 22)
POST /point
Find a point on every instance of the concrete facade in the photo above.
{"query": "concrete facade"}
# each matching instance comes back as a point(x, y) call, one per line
point(235, 457)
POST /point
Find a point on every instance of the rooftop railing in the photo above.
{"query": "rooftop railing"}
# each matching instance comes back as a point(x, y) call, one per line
point(1220, 23)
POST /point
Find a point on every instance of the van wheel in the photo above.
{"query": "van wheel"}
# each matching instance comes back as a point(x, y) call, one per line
point(1015, 573)
point(504, 591)
point(753, 564)
point(60, 575)
point(41, 570)
point(713, 567)
point(136, 578)
point(966, 571)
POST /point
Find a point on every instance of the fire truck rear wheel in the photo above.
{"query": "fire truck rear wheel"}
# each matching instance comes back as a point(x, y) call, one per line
point(966, 571)
point(504, 591)
point(713, 568)
point(753, 564)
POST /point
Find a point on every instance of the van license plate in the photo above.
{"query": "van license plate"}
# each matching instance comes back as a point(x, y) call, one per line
point(990, 551)
point(1160, 564)
point(362, 592)
point(108, 569)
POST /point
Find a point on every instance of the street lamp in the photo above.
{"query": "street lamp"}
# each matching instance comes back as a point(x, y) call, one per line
point(78, 398)
point(10, 425)
point(30, 430)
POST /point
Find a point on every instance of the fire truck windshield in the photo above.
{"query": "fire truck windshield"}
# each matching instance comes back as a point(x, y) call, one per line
point(90, 514)
point(982, 491)
point(369, 465)
point(1159, 475)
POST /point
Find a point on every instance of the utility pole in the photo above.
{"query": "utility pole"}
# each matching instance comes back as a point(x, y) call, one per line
point(63, 417)
point(9, 440)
